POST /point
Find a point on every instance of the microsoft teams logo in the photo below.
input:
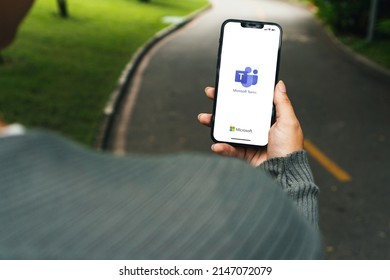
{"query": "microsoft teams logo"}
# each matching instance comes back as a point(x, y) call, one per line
point(245, 78)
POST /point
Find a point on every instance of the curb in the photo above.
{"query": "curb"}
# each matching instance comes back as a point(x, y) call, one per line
point(124, 81)
point(356, 56)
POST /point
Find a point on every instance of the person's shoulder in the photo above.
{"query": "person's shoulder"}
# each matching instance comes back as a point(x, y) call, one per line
point(34, 135)
point(46, 149)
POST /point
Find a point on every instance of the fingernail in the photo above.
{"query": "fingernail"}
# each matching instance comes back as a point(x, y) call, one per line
point(282, 86)
point(212, 147)
point(206, 89)
point(199, 116)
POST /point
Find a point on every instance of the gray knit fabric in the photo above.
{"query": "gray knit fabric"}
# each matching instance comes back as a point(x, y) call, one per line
point(61, 201)
point(293, 173)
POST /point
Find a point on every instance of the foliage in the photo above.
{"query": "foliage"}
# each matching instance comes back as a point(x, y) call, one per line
point(350, 16)
point(383, 28)
point(345, 16)
point(349, 20)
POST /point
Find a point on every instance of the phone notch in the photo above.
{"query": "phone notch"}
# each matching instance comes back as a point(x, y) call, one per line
point(257, 25)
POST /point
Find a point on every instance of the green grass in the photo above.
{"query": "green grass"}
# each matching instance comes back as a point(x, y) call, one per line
point(377, 50)
point(59, 73)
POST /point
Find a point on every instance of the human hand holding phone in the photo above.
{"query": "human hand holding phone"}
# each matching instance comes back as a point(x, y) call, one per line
point(284, 137)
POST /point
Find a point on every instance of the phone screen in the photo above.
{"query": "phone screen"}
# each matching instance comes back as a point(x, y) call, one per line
point(246, 76)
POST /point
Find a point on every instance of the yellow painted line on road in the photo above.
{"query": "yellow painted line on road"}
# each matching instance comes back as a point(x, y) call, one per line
point(326, 162)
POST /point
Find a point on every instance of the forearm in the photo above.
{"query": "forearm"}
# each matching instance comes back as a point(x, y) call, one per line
point(294, 175)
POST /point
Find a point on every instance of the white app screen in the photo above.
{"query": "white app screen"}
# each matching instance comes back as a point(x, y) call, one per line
point(246, 84)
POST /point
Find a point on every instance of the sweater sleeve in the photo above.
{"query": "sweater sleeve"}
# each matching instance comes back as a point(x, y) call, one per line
point(296, 179)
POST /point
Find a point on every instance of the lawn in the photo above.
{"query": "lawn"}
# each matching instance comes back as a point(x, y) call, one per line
point(59, 73)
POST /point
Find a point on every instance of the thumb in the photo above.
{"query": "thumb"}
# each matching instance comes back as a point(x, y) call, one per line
point(283, 106)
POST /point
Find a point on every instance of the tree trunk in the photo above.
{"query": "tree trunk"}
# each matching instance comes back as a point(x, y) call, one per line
point(62, 8)
point(372, 20)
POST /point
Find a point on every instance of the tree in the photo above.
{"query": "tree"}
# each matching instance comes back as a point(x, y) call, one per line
point(62, 6)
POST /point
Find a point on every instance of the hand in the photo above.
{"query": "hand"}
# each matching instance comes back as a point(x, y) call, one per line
point(284, 137)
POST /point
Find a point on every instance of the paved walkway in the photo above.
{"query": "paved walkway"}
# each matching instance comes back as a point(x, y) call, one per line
point(342, 104)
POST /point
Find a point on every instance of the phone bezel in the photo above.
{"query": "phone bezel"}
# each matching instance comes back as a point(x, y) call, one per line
point(248, 22)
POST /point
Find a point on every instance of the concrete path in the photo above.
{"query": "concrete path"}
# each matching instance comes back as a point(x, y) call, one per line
point(342, 104)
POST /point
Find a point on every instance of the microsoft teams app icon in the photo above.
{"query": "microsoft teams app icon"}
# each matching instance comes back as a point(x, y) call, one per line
point(246, 78)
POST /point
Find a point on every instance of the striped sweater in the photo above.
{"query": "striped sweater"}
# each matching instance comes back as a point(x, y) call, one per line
point(59, 200)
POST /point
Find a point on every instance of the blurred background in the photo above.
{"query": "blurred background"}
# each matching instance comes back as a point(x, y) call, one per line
point(60, 72)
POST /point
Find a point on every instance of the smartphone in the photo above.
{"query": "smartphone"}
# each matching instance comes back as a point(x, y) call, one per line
point(247, 71)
